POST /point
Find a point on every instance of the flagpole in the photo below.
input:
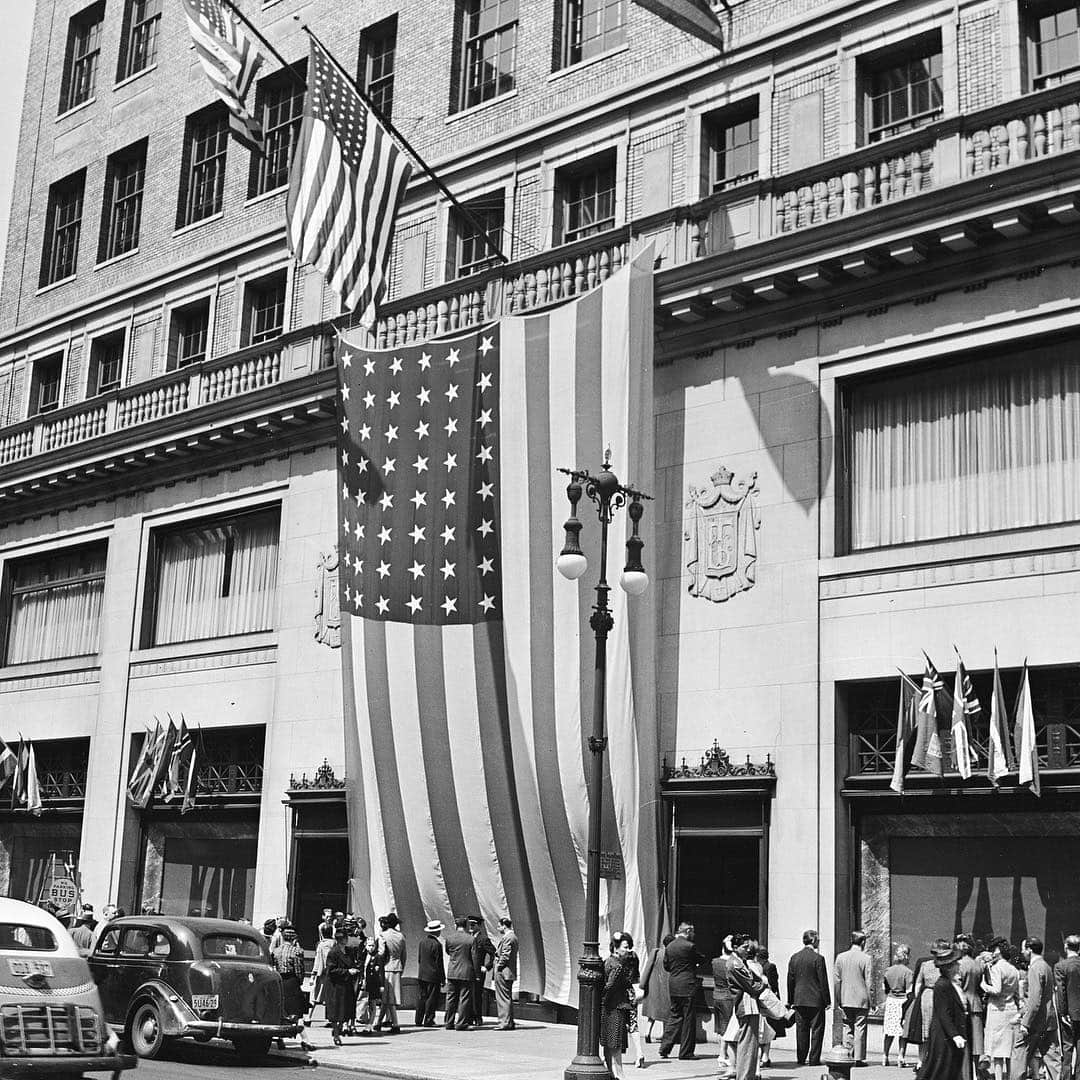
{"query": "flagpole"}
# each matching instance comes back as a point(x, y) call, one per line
point(269, 47)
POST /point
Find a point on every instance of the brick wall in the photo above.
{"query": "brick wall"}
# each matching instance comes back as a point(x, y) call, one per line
point(801, 84)
point(673, 136)
point(979, 45)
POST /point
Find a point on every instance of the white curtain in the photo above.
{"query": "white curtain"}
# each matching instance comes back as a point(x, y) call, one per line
point(217, 580)
point(970, 449)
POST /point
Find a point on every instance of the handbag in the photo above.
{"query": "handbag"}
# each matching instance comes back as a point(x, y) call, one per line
point(771, 1007)
point(308, 984)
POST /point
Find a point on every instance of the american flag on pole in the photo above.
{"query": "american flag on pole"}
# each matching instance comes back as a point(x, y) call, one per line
point(347, 180)
point(468, 660)
point(230, 60)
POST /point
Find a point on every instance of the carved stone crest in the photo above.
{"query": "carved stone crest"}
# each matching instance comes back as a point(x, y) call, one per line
point(721, 536)
point(327, 606)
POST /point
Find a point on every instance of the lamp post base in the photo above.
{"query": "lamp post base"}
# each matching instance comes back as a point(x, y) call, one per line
point(587, 1063)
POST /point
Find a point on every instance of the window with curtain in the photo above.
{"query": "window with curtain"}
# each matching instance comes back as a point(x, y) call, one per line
point(54, 606)
point(215, 578)
point(973, 448)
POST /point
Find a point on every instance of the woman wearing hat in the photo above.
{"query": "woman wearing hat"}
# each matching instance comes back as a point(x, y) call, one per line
point(340, 975)
point(944, 1056)
point(615, 1006)
point(1001, 984)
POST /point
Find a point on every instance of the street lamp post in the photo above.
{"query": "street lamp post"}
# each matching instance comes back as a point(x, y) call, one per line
point(608, 495)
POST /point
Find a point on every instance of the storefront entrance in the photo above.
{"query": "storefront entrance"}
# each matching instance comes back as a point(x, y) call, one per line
point(321, 880)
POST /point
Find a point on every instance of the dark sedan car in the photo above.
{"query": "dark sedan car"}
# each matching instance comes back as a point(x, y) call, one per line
point(162, 977)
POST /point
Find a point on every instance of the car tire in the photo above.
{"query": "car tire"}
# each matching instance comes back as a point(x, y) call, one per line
point(253, 1046)
point(145, 1033)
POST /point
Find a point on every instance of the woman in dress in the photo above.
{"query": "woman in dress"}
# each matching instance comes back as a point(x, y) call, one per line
point(917, 1021)
point(944, 1055)
point(654, 981)
point(318, 968)
point(633, 996)
point(615, 1008)
point(340, 999)
point(766, 1032)
point(899, 982)
point(1001, 984)
point(370, 983)
point(288, 958)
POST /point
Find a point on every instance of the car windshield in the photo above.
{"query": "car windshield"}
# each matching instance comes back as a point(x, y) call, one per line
point(226, 946)
point(18, 937)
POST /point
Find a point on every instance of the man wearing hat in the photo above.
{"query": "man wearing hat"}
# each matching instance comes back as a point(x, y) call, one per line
point(430, 973)
point(854, 994)
point(483, 957)
point(459, 975)
point(83, 934)
point(506, 956)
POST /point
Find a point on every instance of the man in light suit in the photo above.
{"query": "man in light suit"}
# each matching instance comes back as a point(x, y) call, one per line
point(1037, 1036)
point(459, 975)
point(1067, 986)
point(854, 994)
point(808, 995)
point(506, 956)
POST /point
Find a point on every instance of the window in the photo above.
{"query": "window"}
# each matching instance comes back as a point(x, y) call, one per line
point(109, 940)
point(1053, 32)
point(188, 333)
point(377, 47)
point(590, 27)
point(902, 89)
point(489, 33)
point(45, 384)
point(279, 105)
point(54, 604)
point(213, 579)
point(981, 446)
point(142, 21)
point(264, 309)
point(17, 937)
point(586, 195)
point(125, 175)
point(731, 139)
point(81, 58)
point(471, 252)
point(202, 185)
point(63, 229)
point(106, 363)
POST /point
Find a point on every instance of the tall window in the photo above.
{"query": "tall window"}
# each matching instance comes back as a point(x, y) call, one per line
point(142, 22)
point(489, 34)
point(471, 251)
point(590, 27)
point(1053, 31)
point(54, 604)
point(214, 578)
point(280, 105)
point(63, 229)
point(377, 47)
point(121, 213)
point(902, 89)
point(978, 447)
point(202, 183)
point(731, 136)
point(188, 333)
point(81, 58)
point(106, 363)
point(45, 378)
point(586, 196)
point(264, 309)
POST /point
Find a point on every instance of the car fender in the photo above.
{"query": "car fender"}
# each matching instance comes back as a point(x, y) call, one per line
point(174, 1011)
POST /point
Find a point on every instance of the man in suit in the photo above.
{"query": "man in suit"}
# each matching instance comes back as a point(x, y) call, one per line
point(746, 987)
point(483, 958)
point(681, 962)
point(808, 995)
point(1067, 986)
point(854, 994)
point(506, 954)
point(430, 973)
point(459, 975)
point(969, 980)
point(1037, 1036)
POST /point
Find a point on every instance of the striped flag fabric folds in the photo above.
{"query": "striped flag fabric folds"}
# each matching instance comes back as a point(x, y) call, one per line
point(907, 727)
point(230, 59)
point(345, 185)
point(964, 713)
point(1000, 758)
point(1027, 754)
point(468, 660)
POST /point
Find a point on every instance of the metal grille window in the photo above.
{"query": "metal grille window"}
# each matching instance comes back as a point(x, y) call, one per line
point(231, 762)
point(81, 59)
point(106, 364)
point(265, 314)
point(122, 212)
point(377, 47)
point(903, 92)
point(203, 186)
point(1054, 43)
point(63, 229)
point(280, 106)
point(490, 36)
point(591, 27)
point(472, 253)
point(190, 331)
point(61, 767)
point(732, 138)
point(588, 199)
point(142, 24)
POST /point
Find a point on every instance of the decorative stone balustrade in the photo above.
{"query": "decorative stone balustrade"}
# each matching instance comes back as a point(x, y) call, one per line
point(241, 376)
point(75, 427)
point(16, 445)
point(154, 404)
point(1051, 128)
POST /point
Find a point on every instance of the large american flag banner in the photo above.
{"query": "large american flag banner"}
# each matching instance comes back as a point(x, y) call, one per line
point(468, 660)
point(230, 60)
point(346, 182)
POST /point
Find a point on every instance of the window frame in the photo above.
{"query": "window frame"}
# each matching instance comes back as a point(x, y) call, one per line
point(135, 49)
point(721, 122)
point(210, 127)
point(464, 233)
point(35, 407)
point(573, 174)
point(261, 287)
point(121, 214)
point(82, 63)
point(177, 359)
point(920, 49)
point(573, 15)
point(60, 246)
point(472, 89)
point(379, 88)
point(1032, 14)
point(114, 339)
point(281, 133)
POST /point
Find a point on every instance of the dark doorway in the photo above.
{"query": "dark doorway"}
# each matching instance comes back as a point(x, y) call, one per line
point(320, 880)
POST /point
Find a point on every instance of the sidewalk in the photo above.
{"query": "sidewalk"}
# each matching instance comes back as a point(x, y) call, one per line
point(537, 1051)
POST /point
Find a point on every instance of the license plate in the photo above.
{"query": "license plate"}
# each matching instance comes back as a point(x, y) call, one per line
point(203, 1002)
point(23, 968)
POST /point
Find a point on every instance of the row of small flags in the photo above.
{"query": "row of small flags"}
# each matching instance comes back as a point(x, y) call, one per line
point(169, 759)
point(927, 712)
point(18, 768)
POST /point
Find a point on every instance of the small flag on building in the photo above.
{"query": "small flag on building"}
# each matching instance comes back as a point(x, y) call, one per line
point(927, 753)
point(965, 710)
point(695, 17)
point(8, 763)
point(345, 185)
point(1000, 757)
point(230, 60)
point(33, 785)
point(1024, 736)
point(907, 729)
point(138, 782)
point(179, 761)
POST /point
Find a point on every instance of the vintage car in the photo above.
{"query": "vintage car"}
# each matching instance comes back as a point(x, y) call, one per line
point(162, 977)
point(51, 1020)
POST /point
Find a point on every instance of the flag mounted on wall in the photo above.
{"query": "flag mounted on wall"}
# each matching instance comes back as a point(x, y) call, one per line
point(1027, 755)
point(999, 758)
